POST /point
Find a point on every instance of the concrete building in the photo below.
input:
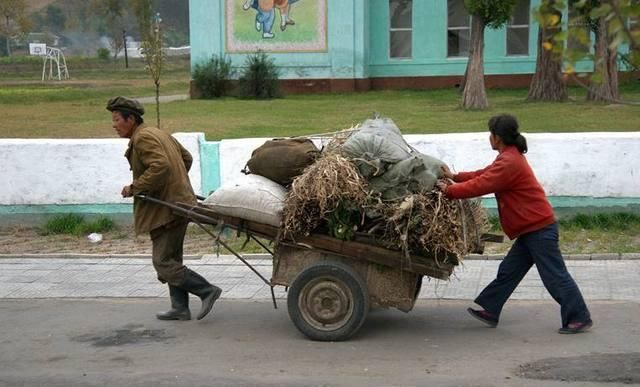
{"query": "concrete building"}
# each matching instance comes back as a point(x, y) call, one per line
point(338, 45)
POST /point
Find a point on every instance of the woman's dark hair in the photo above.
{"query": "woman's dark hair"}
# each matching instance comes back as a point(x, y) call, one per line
point(126, 114)
point(505, 126)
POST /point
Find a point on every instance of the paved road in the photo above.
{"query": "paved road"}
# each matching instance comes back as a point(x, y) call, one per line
point(90, 322)
point(118, 342)
point(134, 277)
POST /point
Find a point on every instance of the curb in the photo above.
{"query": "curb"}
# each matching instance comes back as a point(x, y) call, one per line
point(567, 257)
point(87, 256)
point(472, 257)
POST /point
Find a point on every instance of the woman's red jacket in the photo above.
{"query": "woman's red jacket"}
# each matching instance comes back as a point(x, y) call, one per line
point(522, 204)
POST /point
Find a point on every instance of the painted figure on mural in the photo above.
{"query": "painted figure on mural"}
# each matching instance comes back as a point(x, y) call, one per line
point(265, 16)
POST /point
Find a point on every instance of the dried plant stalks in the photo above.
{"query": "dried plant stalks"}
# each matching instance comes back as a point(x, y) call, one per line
point(316, 193)
point(429, 224)
point(425, 225)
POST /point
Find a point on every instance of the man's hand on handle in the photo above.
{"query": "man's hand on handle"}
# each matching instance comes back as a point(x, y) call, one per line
point(127, 191)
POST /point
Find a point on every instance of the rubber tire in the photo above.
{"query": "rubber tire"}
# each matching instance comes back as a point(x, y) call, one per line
point(347, 277)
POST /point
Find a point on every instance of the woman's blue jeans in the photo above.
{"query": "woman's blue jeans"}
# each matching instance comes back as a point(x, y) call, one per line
point(539, 247)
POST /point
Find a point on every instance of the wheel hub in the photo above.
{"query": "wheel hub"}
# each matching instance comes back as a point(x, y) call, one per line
point(326, 304)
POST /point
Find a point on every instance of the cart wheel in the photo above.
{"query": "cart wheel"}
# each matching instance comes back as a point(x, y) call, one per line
point(328, 301)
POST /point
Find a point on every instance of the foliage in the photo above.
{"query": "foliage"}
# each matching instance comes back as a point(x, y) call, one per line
point(112, 12)
point(259, 78)
point(176, 38)
point(3, 47)
point(63, 224)
point(494, 223)
point(630, 61)
point(55, 18)
point(46, 107)
point(144, 15)
point(101, 224)
point(617, 221)
point(494, 13)
point(103, 54)
point(77, 225)
point(343, 222)
point(13, 20)
point(609, 222)
point(618, 13)
point(548, 83)
point(151, 47)
point(212, 77)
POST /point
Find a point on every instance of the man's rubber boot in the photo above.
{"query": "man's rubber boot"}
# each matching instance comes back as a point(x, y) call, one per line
point(179, 305)
point(194, 283)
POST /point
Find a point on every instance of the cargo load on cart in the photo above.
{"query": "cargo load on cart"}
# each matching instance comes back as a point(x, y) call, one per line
point(354, 219)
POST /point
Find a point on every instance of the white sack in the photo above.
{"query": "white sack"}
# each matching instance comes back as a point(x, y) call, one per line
point(251, 197)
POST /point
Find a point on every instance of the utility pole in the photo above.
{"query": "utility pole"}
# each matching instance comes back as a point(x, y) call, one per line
point(126, 56)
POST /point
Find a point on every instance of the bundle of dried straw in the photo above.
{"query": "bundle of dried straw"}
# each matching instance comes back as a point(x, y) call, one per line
point(424, 224)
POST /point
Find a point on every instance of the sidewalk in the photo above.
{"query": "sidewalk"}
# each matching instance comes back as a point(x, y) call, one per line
point(610, 278)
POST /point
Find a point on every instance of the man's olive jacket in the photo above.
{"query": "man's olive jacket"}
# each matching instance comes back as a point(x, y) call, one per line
point(160, 168)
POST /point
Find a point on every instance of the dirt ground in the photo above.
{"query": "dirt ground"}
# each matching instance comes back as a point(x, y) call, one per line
point(21, 240)
point(31, 241)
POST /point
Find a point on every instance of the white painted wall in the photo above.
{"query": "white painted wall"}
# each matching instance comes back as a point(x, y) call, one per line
point(88, 171)
point(93, 171)
point(567, 164)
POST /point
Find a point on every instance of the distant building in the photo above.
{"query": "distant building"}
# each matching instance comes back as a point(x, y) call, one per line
point(134, 48)
point(43, 37)
point(342, 45)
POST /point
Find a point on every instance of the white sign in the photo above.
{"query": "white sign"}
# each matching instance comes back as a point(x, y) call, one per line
point(38, 49)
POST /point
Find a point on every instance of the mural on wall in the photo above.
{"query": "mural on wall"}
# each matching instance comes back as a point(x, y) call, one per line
point(276, 25)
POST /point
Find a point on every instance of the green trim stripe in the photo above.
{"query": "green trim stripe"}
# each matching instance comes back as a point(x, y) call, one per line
point(578, 202)
point(558, 202)
point(209, 166)
point(67, 208)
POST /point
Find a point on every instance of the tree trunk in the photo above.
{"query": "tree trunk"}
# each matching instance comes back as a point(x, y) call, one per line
point(605, 89)
point(8, 39)
point(547, 83)
point(474, 95)
point(464, 80)
point(158, 103)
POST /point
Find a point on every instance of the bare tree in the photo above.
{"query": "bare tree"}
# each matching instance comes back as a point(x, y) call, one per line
point(112, 12)
point(614, 24)
point(547, 83)
point(604, 82)
point(491, 13)
point(14, 20)
point(154, 57)
point(474, 93)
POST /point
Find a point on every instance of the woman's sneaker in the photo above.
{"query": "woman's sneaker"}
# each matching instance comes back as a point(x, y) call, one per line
point(486, 317)
point(576, 327)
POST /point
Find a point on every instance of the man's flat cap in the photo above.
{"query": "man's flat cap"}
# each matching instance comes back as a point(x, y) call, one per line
point(126, 105)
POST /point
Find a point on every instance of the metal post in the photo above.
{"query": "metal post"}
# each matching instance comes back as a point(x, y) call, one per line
point(126, 56)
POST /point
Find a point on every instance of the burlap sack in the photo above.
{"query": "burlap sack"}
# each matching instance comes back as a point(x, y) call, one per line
point(282, 159)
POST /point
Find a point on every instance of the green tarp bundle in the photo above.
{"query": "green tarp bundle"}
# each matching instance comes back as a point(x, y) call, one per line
point(391, 166)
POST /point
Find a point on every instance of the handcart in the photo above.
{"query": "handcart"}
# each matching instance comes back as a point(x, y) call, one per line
point(331, 284)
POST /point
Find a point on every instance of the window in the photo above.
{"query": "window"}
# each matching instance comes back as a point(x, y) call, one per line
point(400, 28)
point(458, 29)
point(579, 32)
point(518, 29)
